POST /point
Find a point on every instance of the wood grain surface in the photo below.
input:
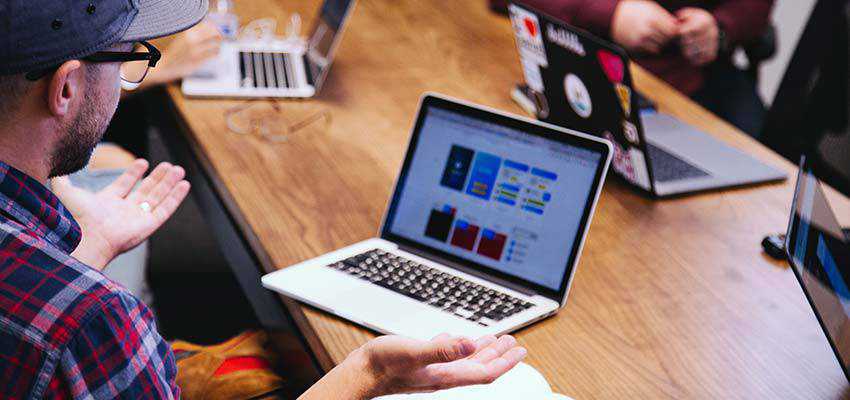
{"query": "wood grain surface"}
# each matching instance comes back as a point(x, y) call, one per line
point(672, 298)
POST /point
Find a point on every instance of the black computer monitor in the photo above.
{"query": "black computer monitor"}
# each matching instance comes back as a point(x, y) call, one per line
point(810, 112)
point(819, 253)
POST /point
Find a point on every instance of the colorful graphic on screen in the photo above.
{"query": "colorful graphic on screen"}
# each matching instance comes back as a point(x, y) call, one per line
point(499, 197)
point(510, 182)
point(491, 244)
point(464, 235)
point(440, 223)
point(457, 167)
point(484, 171)
point(537, 192)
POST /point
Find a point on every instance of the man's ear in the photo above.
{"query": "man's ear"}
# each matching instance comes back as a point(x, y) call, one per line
point(65, 84)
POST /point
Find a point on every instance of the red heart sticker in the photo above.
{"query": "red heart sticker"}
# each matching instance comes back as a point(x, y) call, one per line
point(612, 65)
point(531, 27)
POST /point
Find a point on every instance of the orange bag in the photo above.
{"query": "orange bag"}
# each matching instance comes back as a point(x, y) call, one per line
point(238, 369)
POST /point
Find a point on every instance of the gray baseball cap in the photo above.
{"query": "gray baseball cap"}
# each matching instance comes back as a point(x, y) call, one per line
point(39, 34)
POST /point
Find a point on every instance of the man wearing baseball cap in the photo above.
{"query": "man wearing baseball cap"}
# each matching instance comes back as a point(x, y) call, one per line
point(67, 331)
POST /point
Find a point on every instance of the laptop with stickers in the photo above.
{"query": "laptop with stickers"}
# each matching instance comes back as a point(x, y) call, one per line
point(582, 82)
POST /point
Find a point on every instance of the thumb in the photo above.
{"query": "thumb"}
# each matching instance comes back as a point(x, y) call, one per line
point(445, 350)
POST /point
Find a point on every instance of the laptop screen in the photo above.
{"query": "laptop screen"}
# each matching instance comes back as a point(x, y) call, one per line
point(495, 195)
point(324, 37)
point(586, 85)
point(820, 255)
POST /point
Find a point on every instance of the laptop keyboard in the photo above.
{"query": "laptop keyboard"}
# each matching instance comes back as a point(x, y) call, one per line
point(667, 167)
point(266, 70)
point(464, 299)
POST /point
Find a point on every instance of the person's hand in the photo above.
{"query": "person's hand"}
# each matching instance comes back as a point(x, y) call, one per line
point(699, 35)
point(643, 26)
point(116, 219)
point(401, 365)
point(187, 52)
point(395, 364)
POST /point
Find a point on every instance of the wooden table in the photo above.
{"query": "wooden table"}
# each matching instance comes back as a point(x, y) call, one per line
point(672, 299)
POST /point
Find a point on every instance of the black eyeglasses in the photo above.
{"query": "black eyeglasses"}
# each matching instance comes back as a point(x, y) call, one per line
point(134, 64)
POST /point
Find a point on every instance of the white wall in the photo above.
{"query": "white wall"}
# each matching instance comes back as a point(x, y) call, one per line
point(789, 18)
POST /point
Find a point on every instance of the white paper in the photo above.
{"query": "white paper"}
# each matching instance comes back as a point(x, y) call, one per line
point(522, 382)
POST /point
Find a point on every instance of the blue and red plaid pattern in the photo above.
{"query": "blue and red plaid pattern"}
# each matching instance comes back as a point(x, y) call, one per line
point(67, 331)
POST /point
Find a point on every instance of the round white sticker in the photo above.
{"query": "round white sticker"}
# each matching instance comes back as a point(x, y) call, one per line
point(578, 96)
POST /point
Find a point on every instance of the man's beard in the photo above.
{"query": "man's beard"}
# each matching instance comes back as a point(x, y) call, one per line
point(82, 135)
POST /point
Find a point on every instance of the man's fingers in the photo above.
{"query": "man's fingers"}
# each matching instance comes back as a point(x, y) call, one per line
point(688, 41)
point(656, 42)
point(495, 350)
point(464, 374)
point(209, 50)
point(209, 29)
point(441, 336)
point(174, 175)
point(692, 28)
point(665, 24)
point(171, 202)
point(503, 364)
point(445, 350)
point(484, 342)
point(150, 182)
point(667, 29)
point(122, 186)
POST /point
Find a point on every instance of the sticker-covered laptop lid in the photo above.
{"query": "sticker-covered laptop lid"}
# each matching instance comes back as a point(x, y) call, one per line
point(583, 84)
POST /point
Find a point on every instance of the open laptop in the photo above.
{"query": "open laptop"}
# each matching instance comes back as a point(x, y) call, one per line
point(275, 68)
point(482, 234)
point(584, 83)
point(819, 253)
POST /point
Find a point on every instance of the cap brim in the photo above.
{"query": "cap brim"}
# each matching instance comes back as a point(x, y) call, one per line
point(157, 18)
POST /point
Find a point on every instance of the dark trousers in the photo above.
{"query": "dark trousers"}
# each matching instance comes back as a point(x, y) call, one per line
point(731, 94)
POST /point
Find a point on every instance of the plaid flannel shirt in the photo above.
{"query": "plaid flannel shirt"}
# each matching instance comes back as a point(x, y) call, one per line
point(67, 331)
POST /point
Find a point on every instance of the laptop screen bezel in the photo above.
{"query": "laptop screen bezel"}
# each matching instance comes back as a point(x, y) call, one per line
point(318, 81)
point(793, 226)
point(533, 128)
point(634, 117)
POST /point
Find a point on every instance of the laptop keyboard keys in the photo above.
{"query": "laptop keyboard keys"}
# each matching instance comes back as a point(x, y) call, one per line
point(435, 288)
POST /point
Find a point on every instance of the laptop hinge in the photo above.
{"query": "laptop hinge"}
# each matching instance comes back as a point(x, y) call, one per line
point(308, 72)
point(471, 271)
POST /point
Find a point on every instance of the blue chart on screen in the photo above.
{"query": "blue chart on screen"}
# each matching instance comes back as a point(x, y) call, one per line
point(483, 177)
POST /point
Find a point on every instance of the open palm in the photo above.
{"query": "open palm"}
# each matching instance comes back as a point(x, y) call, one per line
point(118, 218)
point(405, 365)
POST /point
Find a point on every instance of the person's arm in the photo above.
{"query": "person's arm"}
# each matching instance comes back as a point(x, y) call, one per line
point(743, 20)
point(394, 364)
point(706, 33)
point(592, 15)
point(117, 353)
point(641, 26)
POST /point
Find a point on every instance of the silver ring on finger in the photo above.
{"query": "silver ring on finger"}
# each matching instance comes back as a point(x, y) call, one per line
point(145, 206)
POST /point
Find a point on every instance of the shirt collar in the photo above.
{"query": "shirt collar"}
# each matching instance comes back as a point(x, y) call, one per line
point(34, 206)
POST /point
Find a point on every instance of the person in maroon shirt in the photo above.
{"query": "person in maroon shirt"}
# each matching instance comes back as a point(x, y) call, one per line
point(687, 43)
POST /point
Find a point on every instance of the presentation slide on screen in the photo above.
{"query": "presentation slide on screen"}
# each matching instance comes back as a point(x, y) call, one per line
point(501, 198)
